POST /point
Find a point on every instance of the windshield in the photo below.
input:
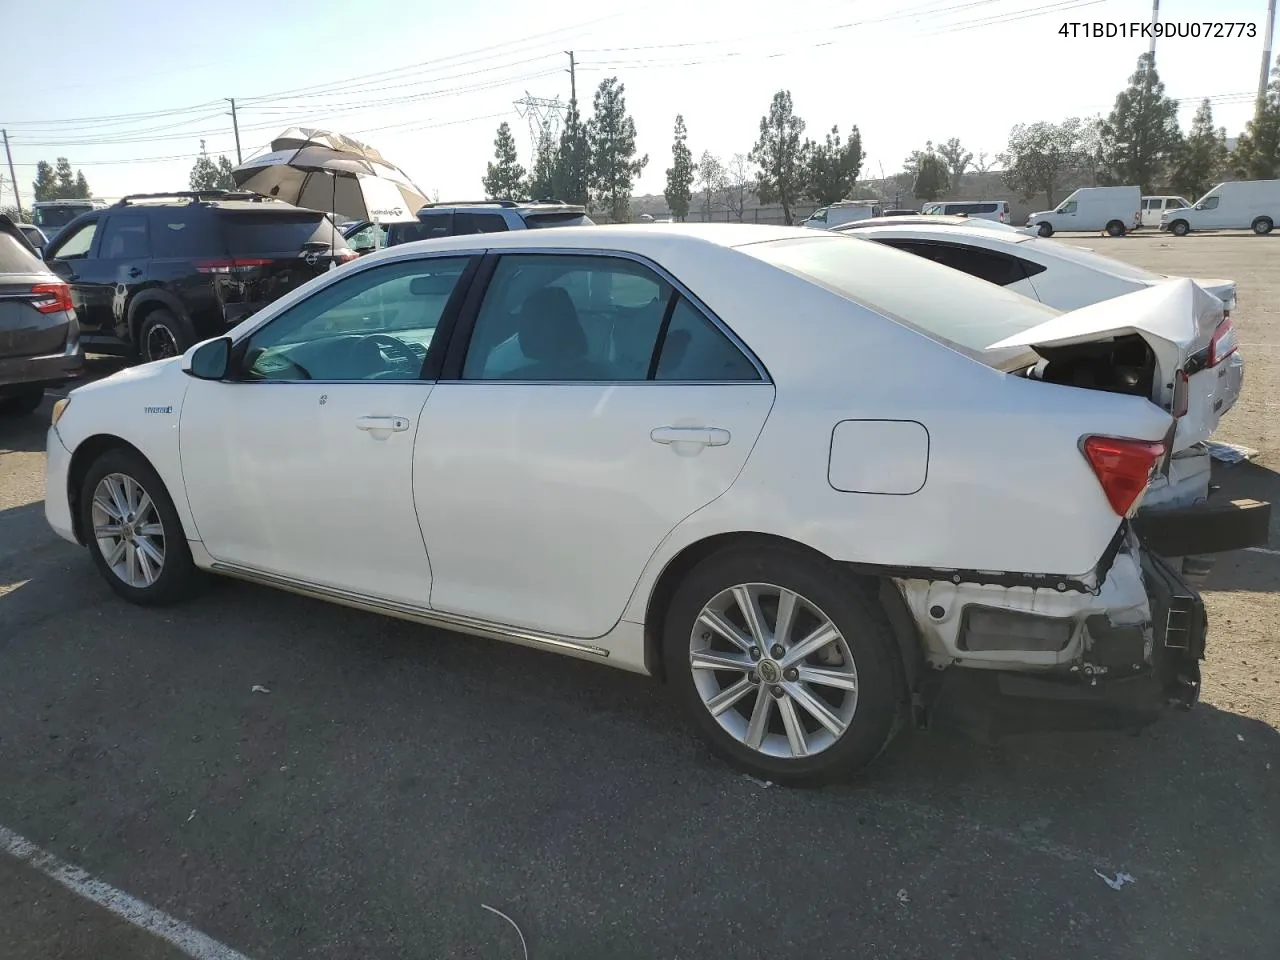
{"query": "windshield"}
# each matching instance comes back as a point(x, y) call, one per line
point(58, 216)
point(947, 305)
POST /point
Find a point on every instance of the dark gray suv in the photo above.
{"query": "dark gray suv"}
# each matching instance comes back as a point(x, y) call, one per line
point(39, 337)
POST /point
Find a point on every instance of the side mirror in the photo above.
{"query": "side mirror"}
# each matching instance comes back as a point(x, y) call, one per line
point(210, 360)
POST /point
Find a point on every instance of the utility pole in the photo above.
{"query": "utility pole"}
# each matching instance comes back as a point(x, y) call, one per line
point(1266, 60)
point(235, 125)
point(573, 72)
point(1155, 18)
point(9, 156)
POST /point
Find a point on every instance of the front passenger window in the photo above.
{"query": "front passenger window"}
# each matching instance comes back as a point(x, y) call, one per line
point(373, 325)
point(79, 243)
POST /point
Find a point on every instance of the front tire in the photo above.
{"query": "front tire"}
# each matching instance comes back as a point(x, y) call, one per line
point(1179, 228)
point(1045, 229)
point(1115, 229)
point(1262, 226)
point(785, 663)
point(163, 335)
point(133, 531)
point(23, 402)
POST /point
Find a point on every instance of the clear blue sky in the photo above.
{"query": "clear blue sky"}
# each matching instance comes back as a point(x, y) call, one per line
point(428, 82)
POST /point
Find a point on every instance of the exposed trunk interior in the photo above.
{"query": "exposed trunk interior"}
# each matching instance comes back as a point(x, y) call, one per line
point(1124, 364)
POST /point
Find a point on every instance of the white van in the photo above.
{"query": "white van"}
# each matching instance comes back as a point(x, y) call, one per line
point(1090, 209)
point(846, 211)
point(997, 210)
point(1235, 205)
point(1154, 208)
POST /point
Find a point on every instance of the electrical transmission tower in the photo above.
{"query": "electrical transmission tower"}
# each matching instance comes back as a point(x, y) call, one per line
point(544, 116)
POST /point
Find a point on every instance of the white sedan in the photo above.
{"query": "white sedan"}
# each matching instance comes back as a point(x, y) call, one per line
point(779, 468)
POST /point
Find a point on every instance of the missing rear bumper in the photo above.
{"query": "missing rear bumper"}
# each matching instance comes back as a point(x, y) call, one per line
point(1205, 527)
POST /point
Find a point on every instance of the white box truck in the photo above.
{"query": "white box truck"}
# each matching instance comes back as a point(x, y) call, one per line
point(1090, 209)
point(843, 211)
point(1234, 205)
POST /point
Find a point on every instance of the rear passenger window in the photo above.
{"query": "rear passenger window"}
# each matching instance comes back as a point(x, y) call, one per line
point(125, 238)
point(476, 222)
point(696, 349)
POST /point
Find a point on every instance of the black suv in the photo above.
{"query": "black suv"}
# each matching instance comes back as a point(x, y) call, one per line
point(155, 273)
point(469, 216)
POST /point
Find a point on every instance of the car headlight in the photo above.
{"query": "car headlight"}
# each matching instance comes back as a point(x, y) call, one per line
point(59, 409)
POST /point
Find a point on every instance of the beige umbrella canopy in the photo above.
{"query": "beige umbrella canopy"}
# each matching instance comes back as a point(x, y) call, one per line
point(322, 170)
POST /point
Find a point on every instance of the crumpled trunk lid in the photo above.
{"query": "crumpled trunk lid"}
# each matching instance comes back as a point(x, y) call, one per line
point(1177, 321)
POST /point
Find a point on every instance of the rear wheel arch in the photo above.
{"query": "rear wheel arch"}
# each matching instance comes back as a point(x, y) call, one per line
point(86, 454)
point(909, 648)
point(148, 302)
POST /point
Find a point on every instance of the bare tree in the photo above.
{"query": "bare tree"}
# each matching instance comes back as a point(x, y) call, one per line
point(984, 163)
point(713, 180)
point(735, 194)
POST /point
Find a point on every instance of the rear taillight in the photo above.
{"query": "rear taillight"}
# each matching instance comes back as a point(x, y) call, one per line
point(346, 256)
point(1224, 342)
point(227, 264)
point(1124, 468)
point(52, 297)
point(1181, 394)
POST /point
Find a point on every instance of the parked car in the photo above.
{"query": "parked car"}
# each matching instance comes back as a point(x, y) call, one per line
point(35, 236)
point(1067, 278)
point(1235, 205)
point(1154, 209)
point(997, 210)
point(846, 211)
point(39, 339)
point(364, 236)
point(601, 442)
point(1090, 209)
point(486, 216)
point(155, 273)
point(904, 212)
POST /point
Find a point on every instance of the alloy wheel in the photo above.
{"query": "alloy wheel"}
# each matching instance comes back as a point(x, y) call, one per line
point(773, 670)
point(161, 343)
point(128, 530)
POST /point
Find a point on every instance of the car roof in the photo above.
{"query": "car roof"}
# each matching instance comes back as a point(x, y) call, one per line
point(943, 224)
point(521, 206)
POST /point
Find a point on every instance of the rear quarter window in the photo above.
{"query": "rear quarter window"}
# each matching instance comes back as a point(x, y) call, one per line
point(277, 234)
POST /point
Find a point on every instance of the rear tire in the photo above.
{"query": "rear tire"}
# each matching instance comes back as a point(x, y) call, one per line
point(776, 708)
point(1115, 229)
point(1262, 226)
point(164, 335)
point(133, 531)
point(1044, 229)
point(1179, 228)
point(25, 401)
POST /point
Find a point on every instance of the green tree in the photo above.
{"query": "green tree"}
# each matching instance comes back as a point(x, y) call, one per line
point(1140, 139)
point(833, 166)
point(504, 178)
point(611, 134)
point(45, 186)
point(712, 181)
point(679, 191)
point(60, 182)
point(780, 155)
point(1040, 155)
point(911, 165)
point(1202, 157)
point(957, 158)
point(206, 174)
point(571, 178)
point(932, 178)
point(542, 179)
point(1257, 155)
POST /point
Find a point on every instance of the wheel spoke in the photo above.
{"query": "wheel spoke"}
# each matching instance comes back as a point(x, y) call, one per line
point(720, 625)
point(151, 530)
point(829, 678)
point(795, 732)
point(713, 660)
point(107, 530)
point(117, 553)
point(786, 617)
point(144, 564)
point(727, 697)
point(811, 644)
point(752, 615)
point(133, 494)
point(108, 507)
point(130, 563)
point(148, 550)
point(118, 496)
point(816, 708)
point(144, 504)
point(759, 724)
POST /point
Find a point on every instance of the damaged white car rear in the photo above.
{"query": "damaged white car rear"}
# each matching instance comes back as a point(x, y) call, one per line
point(818, 485)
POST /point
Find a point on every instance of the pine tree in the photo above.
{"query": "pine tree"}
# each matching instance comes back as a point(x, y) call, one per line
point(45, 185)
point(504, 178)
point(1141, 138)
point(1202, 157)
point(572, 175)
point(834, 166)
point(542, 179)
point(1257, 155)
point(780, 155)
point(679, 192)
point(932, 178)
point(611, 135)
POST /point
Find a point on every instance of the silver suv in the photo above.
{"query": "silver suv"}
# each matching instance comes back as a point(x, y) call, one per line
point(486, 216)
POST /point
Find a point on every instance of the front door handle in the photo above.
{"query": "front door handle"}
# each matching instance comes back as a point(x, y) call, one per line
point(382, 427)
point(135, 272)
point(702, 436)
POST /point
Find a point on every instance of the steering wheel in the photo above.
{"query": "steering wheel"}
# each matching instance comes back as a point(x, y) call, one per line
point(400, 351)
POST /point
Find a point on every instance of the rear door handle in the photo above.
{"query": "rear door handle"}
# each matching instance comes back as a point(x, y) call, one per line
point(704, 436)
point(383, 425)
